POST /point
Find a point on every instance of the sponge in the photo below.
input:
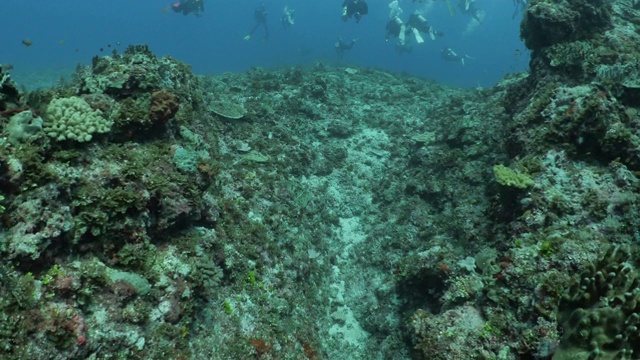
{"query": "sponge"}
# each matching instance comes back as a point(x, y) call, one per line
point(73, 119)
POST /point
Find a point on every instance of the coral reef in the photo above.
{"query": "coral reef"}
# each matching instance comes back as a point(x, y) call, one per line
point(336, 214)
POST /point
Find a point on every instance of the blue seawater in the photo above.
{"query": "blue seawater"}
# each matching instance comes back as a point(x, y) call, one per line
point(66, 32)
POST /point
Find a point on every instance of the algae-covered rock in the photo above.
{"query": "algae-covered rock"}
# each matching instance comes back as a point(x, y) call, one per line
point(255, 156)
point(9, 94)
point(136, 72)
point(546, 22)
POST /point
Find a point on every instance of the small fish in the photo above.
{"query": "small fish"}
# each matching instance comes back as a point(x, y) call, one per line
point(61, 42)
point(118, 43)
point(6, 66)
point(27, 42)
point(101, 49)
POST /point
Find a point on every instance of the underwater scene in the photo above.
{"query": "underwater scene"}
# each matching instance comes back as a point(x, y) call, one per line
point(349, 179)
